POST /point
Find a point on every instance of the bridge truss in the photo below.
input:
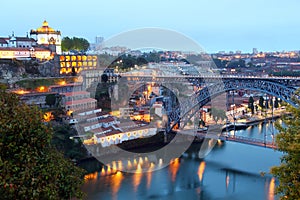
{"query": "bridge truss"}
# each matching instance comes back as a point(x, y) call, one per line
point(188, 108)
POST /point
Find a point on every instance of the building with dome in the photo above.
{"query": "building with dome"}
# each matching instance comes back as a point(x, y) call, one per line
point(47, 36)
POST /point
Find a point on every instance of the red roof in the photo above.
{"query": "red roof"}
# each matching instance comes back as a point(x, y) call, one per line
point(65, 85)
point(89, 124)
point(69, 94)
point(25, 39)
point(3, 41)
point(81, 101)
point(98, 130)
point(106, 120)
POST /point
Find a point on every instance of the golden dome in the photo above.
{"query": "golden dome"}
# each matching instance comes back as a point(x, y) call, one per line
point(45, 29)
point(45, 23)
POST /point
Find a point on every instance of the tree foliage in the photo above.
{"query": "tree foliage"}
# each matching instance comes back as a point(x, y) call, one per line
point(79, 44)
point(251, 104)
point(29, 167)
point(50, 100)
point(261, 102)
point(218, 114)
point(276, 103)
point(288, 141)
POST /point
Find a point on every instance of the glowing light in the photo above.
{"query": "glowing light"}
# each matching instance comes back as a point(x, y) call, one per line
point(41, 89)
point(271, 189)
point(201, 170)
point(108, 170)
point(116, 181)
point(114, 165)
point(69, 112)
point(102, 171)
point(62, 83)
point(92, 176)
point(137, 177)
point(120, 165)
point(141, 161)
point(139, 168)
point(227, 180)
point(152, 165)
point(174, 167)
point(48, 116)
point(129, 164)
point(160, 162)
point(21, 92)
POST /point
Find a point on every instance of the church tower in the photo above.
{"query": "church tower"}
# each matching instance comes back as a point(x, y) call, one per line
point(47, 36)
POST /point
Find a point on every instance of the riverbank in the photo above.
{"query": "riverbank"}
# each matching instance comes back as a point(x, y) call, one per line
point(158, 141)
point(259, 118)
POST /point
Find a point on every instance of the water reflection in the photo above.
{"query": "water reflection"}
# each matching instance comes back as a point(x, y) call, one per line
point(116, 181)
point(230, 171)
point(149, 179)
point(174, 167)
point(137, 177)
point(271, 195)
point(227, 180)
point(230, 181)
point(201, 170)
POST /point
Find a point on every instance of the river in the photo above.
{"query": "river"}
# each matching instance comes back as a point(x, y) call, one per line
point(230, 171)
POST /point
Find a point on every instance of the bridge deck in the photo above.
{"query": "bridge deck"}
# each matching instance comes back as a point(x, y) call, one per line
point(239, 139)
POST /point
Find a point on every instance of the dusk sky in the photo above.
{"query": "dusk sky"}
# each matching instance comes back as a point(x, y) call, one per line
point(216, 25)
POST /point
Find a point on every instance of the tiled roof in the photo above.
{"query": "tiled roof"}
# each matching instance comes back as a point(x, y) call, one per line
point(106, 120)
point(24, 39)
point(3, 41)
point(81, 101)
point(69, 94)
point(99, 130)
point(66, 85)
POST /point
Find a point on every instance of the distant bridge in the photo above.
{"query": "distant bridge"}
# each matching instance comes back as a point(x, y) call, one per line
point(239, 139)
point(212, 86)
point(202, 79)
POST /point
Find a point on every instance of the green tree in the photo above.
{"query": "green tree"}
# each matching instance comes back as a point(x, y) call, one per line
point(261, 102)
point(251, 104)
point(62, 141)
point(79, 44)
point(30, 168)
point(276, 103)
point(267, 104)
point(218, 114)
point(50, 100)
point(66, 44)
point(288, 141)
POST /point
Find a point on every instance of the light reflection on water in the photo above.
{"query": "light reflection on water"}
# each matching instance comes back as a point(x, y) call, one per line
point(230, 171)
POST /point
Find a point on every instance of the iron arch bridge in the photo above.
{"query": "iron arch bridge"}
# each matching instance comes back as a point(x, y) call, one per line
point(187, 109)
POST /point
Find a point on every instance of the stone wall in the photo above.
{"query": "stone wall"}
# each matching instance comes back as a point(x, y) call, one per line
point(49, 68)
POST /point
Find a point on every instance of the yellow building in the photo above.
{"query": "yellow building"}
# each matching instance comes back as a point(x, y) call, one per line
point(77, 63)
point(23, 53)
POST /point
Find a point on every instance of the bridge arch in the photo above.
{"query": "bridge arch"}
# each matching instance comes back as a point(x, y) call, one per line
point(189, 108)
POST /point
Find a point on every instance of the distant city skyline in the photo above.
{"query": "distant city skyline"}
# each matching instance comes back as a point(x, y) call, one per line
point(216, 25)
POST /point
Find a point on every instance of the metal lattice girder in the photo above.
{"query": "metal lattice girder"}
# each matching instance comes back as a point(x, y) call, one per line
point(187, 108)
point(212, 86)
point(199, 80)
